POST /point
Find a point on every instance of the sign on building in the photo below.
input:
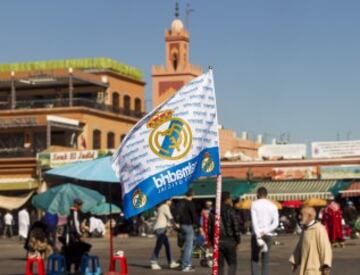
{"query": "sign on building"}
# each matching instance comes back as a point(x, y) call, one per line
point(294, 173)
point(340, 172)
point(57, 159)
point(335, 149)
point(282, 151)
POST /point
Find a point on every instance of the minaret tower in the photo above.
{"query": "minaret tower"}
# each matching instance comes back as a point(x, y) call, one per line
point(177, 70)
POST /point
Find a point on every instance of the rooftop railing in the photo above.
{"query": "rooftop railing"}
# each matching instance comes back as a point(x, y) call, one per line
point(77, 102)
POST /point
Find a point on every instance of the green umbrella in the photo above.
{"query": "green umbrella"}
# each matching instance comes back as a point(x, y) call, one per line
point(104, 209)
point(59, 199)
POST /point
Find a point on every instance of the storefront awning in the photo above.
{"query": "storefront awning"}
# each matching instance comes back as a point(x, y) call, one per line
point(206, 188)
point(12, 184)
point(352, 191)
point(299, 190)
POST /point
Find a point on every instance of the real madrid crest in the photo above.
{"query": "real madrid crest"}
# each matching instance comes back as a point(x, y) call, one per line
point(207, 164)
point(171, 137)
point(139, 199)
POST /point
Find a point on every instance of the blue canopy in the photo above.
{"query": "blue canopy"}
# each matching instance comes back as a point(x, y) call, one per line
point(93, 170)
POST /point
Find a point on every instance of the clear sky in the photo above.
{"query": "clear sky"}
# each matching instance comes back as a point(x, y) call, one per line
point(281, 66)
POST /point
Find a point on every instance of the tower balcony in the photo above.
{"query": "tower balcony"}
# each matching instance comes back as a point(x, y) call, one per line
point(191, 69)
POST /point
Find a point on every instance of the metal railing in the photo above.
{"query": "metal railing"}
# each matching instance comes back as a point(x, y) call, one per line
point(77, 102)
point(16, 153)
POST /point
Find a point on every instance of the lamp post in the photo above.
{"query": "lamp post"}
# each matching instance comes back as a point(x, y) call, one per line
point(71, 87)
point(13, 91)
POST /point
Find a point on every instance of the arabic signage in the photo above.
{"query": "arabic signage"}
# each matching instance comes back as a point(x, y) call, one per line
point(336, 149)
point(282, 151)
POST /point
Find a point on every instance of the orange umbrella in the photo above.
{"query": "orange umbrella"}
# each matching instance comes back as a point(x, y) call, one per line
point(245, 204)
point(277, 204)
point(315, 202)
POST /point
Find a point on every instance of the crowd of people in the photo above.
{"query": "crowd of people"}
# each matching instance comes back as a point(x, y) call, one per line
point(319, 229)
point(55, 233)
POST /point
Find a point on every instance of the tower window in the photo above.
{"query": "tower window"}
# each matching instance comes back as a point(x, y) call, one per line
point(175, 61)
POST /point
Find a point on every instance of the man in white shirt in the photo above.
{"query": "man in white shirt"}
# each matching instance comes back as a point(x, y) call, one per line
point(24, 223)
point(8, 224)
point(97, 227)
point(265, 219)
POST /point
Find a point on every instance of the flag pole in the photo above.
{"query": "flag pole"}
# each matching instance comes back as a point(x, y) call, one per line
point(215, 267)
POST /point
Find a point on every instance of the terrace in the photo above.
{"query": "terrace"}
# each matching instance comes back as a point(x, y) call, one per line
point(57, 88)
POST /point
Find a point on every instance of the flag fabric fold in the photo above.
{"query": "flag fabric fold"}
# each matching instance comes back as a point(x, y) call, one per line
point(170, 147)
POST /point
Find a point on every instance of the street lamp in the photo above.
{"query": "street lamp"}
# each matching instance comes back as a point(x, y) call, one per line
point(71, 87)
point(13, 91)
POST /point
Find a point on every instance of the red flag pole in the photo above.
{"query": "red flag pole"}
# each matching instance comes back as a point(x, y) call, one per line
point(215, 267)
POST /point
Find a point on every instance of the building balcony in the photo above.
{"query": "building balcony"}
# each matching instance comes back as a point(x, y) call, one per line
point(76, 102)
point(17, 152)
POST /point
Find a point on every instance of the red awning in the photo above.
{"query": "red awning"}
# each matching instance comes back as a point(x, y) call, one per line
point(352, 191)
point(292, 204)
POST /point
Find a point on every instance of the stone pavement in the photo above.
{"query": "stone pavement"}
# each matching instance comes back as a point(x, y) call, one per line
point(138, 250)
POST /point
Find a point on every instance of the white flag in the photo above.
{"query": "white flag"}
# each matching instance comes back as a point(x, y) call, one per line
point(170, 147)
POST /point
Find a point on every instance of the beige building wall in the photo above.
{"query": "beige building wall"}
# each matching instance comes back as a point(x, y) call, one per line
point(230, 142)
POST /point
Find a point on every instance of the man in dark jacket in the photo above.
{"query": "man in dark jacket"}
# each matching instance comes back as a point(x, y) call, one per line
point(74, 247)
point(188, 219)
point(230, 235)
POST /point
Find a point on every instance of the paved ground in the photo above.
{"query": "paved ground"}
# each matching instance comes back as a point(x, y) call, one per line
point(137, 250)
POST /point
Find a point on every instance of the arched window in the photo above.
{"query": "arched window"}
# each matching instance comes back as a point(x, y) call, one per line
point(122, 138)
point(175, 61)
point(96, 139)
point(110, 140)
point(115, 101)
point(127, 104)
point(137, 105)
